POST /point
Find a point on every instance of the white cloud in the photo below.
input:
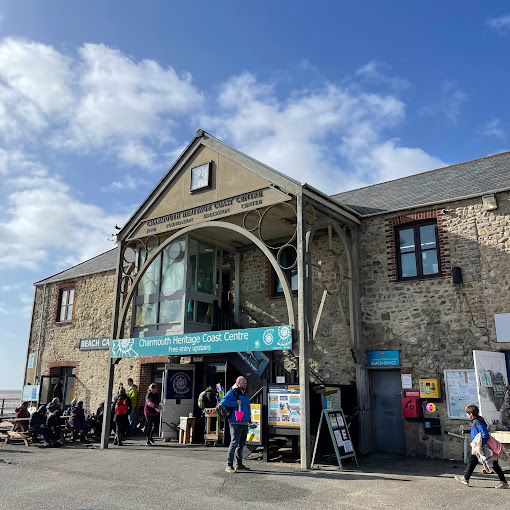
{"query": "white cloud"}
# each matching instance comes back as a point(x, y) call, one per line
point(453, 98)
point(493, 128)
point(128, 183)
point(41, 221)
point(379, 72)
point(500, 24)
point(99, 100)
point(331, 137)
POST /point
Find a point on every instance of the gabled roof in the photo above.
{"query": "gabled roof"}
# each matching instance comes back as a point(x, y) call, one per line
point(105, 262)
point(473, 178)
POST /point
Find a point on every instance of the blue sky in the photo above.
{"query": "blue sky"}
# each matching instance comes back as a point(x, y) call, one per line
point(98, 98)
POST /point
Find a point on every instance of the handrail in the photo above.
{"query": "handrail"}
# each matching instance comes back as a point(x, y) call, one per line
point(259, 391)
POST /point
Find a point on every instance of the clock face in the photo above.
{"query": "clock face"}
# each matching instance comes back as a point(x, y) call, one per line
point(200, 177)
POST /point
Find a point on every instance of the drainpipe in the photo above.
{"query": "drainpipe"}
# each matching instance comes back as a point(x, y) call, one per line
point(29, 338)
point(38, 365)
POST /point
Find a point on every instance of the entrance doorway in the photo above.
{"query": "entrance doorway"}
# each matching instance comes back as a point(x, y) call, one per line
point(387, 417)
point(48, 383)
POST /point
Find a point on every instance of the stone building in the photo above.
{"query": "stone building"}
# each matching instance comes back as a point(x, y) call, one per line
point(226, 243)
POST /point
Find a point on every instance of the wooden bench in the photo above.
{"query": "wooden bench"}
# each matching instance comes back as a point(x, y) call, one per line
point(18, 430)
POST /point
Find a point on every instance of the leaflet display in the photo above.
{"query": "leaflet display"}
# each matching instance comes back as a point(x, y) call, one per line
point(460, 386)
point(284, 405)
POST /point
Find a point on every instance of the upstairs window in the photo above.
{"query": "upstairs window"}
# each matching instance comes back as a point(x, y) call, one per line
point(418, 251)
point(65, 304)
point(288, 258)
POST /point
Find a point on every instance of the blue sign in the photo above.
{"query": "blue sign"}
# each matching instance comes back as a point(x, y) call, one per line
point(383, 358)
point(257, 361)
point(94, 344)
point(278, 338)
point(30, 361)
point(179, 384)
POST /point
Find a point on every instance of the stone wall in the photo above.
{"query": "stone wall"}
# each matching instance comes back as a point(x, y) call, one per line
point(92, 315)
point(433, 322)
point(331, 357)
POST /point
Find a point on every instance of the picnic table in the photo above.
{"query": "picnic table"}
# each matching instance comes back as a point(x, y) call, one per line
point(15, 428)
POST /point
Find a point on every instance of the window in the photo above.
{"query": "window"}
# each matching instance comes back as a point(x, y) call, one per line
point(65, 304)
point(287, 260)
point(418, 251)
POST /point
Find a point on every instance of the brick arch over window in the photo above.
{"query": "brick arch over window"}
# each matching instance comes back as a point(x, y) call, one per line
point(391, 223)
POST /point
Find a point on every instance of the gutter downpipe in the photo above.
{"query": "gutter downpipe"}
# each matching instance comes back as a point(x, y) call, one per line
point(28, 341)
point(38, 365)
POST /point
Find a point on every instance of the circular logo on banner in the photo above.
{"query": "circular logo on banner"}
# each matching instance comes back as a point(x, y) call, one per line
point(285, 334)
point(180, 383)
point(123, 348)
point(268, 337)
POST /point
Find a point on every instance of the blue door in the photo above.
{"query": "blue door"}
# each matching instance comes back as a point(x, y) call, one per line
point(386, 389)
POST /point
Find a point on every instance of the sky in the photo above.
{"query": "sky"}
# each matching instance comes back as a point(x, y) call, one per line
point(98, 99)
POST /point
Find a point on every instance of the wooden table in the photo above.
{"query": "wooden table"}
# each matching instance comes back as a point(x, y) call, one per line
point(186, 428)
point(22, 434)
point(212, 435)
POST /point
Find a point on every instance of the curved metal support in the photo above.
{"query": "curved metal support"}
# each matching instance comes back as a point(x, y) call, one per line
point(217, 224)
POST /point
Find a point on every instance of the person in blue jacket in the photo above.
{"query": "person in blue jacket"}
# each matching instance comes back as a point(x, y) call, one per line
point(479, 426)
point(237, 399)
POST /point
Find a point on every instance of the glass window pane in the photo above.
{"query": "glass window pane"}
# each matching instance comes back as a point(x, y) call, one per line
point(406, 240)
point(193, 261)
point(294, 280)
point(62, 313)
point(428, 237)
point(71, 296)
point(64, 297)
point(189, 310)
point(279, 288)
point(205, 268)
point(408, 264)
point(145, 314)
point(69, 312)
point(429, 262)
point(204, 312)
point(172, 278)
point(170, 311)
point(150, 280)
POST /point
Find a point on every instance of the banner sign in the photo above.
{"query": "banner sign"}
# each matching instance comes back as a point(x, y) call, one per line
point(95, 344)
point(179, 384)
point(383, 358)
point(278, 338)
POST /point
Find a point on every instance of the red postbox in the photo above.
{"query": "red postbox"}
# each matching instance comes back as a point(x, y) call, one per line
point(411, 407)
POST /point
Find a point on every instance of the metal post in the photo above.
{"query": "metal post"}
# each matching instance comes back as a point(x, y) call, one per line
point(237, 287)
point(303, 332)
point(105, 432)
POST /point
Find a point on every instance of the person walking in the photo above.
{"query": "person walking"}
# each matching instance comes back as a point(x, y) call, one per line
point(121, 407)
point(132, 393)
point(237, 398)
point(151, 410)
point(479, 426)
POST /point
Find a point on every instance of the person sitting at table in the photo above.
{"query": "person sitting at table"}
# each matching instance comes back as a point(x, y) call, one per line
point(67, 412)
point(53, 418)
point(77, 422)
point(21, 412)
point(37, 425)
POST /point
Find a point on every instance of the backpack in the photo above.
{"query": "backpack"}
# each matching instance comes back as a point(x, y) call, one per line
point(224, 412)
point(121, 406)
point(201, 400)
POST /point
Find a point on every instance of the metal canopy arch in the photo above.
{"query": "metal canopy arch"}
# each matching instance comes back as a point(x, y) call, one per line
point(217, 224)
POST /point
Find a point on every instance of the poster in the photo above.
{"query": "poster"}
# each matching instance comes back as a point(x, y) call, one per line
point(255, 418)
point(179, 384)
point(332, 401)
point(284, 405)
point(490, 369)
point(461, 390)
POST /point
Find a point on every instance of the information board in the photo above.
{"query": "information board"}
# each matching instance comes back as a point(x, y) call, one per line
point(255, 419)
point(339, 432)
point(460, 387)
point(284, 405)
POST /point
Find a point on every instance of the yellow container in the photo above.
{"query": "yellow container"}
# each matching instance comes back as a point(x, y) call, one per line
point(429, 388)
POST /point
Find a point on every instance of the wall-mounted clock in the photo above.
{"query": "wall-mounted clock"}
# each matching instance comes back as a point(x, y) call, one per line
point(200, 177)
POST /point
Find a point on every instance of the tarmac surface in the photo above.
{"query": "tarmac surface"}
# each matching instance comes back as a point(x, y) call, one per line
point(183, 477)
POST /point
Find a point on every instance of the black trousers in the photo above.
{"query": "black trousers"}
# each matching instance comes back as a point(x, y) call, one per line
point(473, 461)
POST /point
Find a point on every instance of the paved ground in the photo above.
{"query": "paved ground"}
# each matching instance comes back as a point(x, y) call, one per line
point(181, 477)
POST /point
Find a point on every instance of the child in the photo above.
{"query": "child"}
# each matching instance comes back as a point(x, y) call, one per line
point(479, 426)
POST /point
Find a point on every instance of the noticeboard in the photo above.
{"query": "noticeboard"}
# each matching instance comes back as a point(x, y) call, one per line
point(255, 419)
point(460, 388)
point(339, 433)
point(284, 409)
